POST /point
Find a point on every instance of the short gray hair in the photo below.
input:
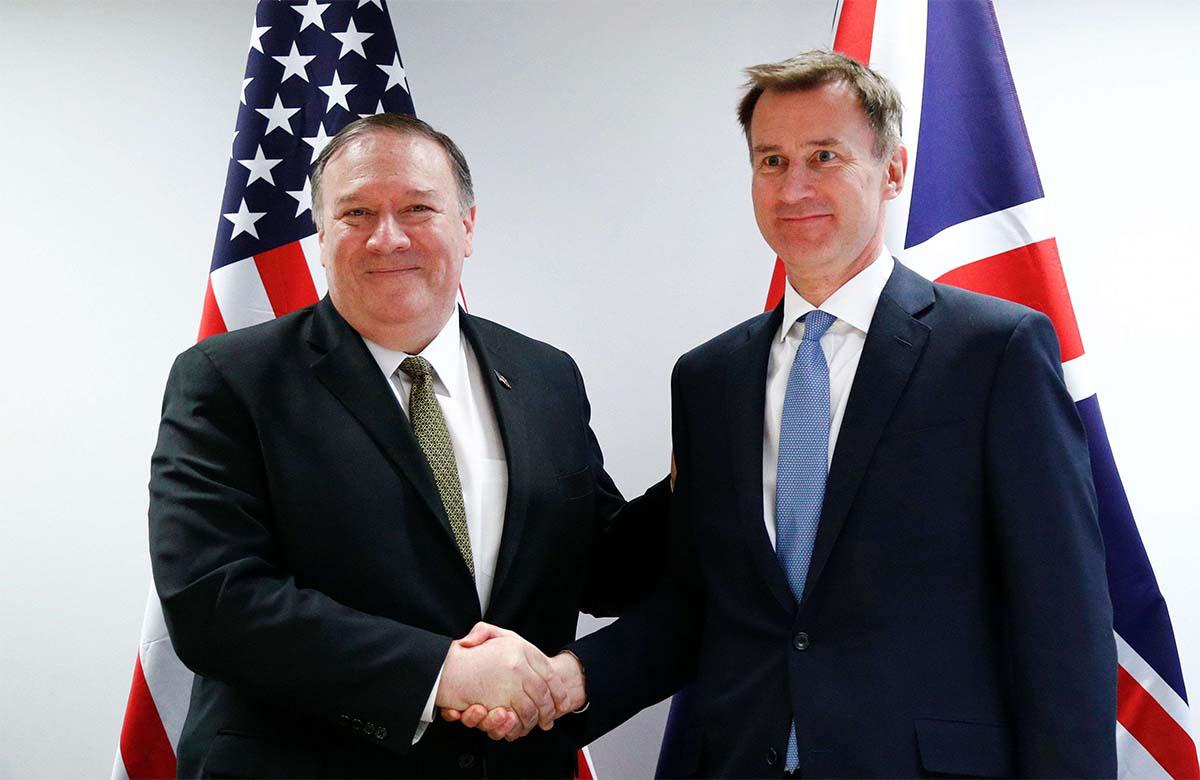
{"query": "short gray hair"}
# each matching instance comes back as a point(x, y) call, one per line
point(401, 124)
point(877, 97)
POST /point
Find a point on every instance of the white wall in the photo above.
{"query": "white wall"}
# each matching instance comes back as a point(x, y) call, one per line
point(614, 220)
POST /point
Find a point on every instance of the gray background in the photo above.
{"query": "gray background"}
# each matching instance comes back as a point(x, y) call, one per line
point(614, 220)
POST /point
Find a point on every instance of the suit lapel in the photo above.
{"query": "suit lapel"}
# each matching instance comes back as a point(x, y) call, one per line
point(505, 392)
point(894, 344)
point(746, 398)
point(348, 371)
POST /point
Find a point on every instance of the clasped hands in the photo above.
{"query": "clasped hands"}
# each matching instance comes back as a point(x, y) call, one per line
point(497, 682)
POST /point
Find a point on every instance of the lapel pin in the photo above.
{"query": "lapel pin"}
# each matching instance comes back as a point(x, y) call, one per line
point(503, 379)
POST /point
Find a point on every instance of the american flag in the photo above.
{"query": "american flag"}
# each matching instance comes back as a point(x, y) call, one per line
point(311, 69)
point(975, 215)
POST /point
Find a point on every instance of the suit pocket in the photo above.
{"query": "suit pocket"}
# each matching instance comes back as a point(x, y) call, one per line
point(233, 754)
point(952, 747)
point(577, 484)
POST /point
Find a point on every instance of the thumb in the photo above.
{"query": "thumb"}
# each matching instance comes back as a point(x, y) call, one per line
point(480, 633)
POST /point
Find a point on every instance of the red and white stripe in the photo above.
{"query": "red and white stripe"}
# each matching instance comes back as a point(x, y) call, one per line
point(1012, 254)
point(157, 706)
point(247, 292)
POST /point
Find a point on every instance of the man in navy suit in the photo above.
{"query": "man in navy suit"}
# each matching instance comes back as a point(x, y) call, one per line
point(886, 558)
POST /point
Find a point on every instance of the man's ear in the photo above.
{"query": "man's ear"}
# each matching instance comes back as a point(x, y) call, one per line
point(469, 229)
point(897, 166)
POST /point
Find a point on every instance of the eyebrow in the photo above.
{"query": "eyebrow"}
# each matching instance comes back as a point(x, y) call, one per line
point(355, 195)
point(769, 148)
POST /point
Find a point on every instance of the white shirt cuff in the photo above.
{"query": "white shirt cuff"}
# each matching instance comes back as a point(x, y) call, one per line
point(427, 714)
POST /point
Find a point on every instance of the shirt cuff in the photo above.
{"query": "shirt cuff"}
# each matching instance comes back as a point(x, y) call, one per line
point(427, 713)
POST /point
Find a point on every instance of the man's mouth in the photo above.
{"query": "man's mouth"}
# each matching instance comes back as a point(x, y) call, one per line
point(803, 217)
point(396, 270)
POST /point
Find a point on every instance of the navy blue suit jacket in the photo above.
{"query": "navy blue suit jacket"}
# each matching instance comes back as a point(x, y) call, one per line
point(955, 619)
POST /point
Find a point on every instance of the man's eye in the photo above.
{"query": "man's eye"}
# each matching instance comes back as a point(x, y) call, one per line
point(419, 208)
point(353, 213)
point(824, 155)
point(772, 161)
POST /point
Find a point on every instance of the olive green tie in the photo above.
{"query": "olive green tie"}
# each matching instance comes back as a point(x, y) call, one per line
point(430, 429)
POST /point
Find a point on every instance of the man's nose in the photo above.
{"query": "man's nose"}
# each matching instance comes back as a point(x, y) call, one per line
point(389, 235)
point(797, 184)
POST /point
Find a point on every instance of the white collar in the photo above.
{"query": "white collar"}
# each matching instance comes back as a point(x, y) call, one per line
point(444, 353)
point(853, 303)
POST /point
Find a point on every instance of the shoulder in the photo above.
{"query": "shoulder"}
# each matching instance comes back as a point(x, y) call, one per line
point(252, 351)
point(985, 325)
point(979, 311)
point(960, 322)
point(714, 353)
point(504, 341)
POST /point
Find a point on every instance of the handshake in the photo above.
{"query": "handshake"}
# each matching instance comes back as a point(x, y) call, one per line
point(495, 681)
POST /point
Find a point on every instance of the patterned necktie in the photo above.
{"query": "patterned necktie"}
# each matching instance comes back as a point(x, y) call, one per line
point(429, 426)
point(803, 465)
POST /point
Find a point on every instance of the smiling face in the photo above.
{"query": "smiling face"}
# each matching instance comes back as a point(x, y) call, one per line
point(819, 189)
point(393, 237)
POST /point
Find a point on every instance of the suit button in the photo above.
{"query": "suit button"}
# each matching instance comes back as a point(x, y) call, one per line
point(800, 641)
point(466, 761)
point(772, 757)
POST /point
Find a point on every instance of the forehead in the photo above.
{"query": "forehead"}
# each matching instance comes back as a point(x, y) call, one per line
point(827, 111)
point(386, 156)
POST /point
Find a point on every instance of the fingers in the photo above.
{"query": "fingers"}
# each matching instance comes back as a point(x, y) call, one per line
point(501, 723)
point(474, 715)
point(527, 712)
point(539, 693)
point(538, 662)
point(561, 694)
point(538, 688)
point(497, 682)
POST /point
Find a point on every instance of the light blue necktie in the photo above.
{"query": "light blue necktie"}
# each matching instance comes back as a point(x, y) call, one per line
point(803, 465)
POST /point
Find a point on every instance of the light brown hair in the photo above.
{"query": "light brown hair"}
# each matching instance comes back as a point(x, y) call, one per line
point(878, 98)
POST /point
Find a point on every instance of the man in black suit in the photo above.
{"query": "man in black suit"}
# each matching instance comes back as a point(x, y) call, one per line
point(887, 561)
point(340, 493)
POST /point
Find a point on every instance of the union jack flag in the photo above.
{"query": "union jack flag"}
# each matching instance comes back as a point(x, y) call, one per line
point(975, 216)
point(311, 69)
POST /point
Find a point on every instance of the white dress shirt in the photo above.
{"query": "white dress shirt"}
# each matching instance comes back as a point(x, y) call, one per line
point(478, 449)
point(853, 304)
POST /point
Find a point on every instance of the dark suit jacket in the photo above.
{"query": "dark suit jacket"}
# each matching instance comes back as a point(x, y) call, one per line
point(955, 618)
point(307, 570)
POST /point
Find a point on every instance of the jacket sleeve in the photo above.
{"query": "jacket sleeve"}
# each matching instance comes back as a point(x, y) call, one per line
point(629, 541)
point(233, 610)
point(1058, 617)
point(652, 650)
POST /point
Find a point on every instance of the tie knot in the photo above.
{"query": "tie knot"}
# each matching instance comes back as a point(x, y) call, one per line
point(816, 322)
point(416, 367)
